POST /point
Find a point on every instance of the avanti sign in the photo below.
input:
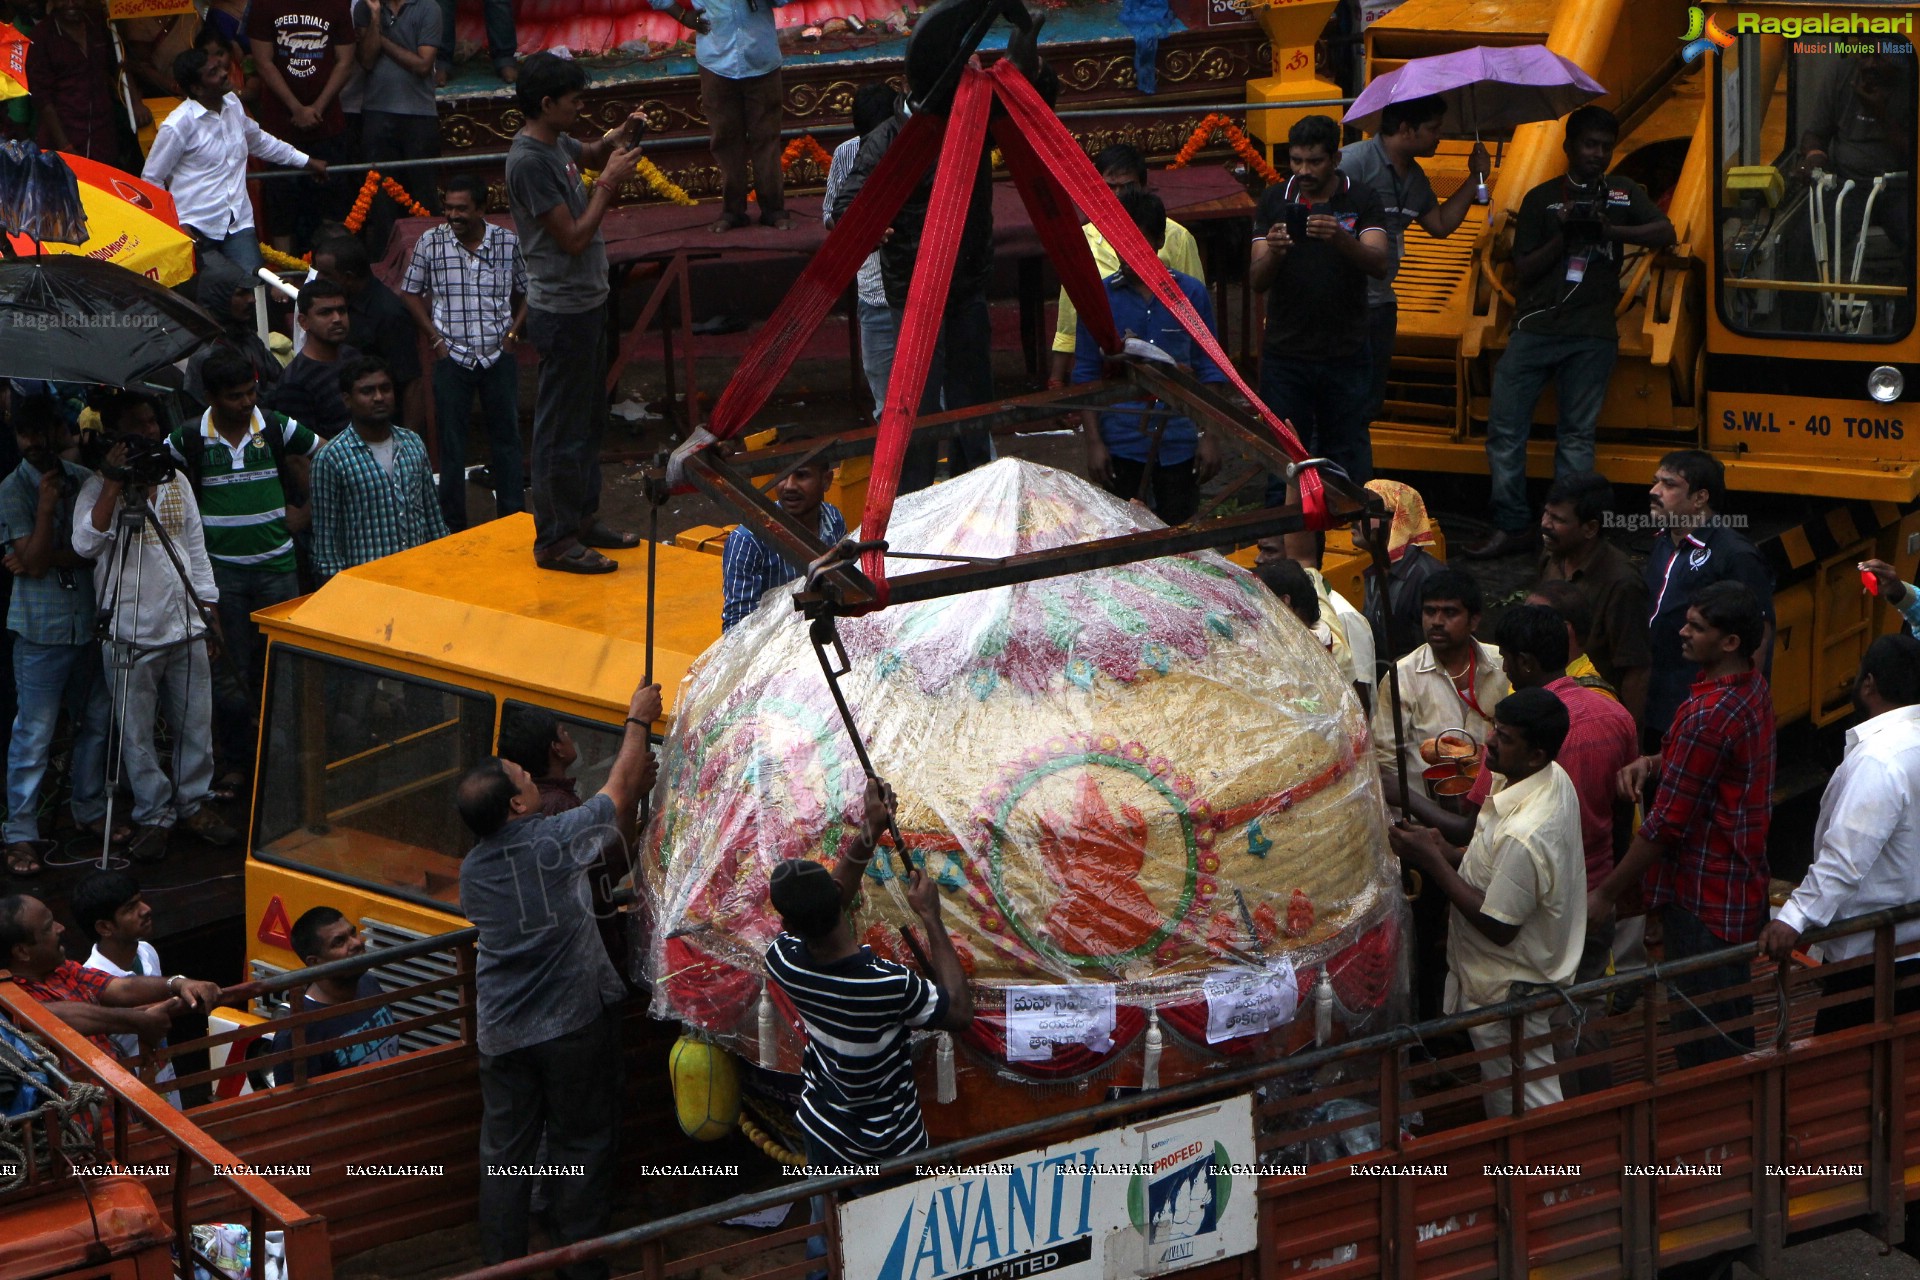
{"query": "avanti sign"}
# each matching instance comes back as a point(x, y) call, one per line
point(1145, 1200)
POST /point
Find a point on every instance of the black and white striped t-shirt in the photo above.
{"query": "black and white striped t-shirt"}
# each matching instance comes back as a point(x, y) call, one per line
point(859, 1098)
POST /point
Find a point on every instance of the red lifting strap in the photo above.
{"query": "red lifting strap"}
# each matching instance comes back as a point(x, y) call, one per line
point(1064, 160)
point(926, 308)
point(1053, 216)
point(827, 275)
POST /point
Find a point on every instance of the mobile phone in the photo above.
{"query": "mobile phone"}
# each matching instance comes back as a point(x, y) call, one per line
point(1297, 215)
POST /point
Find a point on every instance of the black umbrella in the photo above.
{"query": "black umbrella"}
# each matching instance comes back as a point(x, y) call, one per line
point(71, 319)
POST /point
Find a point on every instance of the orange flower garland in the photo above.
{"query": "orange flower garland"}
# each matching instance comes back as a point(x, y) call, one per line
point(1237, 139)
point(363, 202)
point(805, 146)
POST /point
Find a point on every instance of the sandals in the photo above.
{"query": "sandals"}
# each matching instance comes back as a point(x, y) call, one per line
point(23, 859)
point(599, 535)
point(122, 831)
point(581, 559)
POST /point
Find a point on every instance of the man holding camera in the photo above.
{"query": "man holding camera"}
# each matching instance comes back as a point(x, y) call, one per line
point(1318, 239)
point(159, 610)
point(51, 617)
point(1568, 243)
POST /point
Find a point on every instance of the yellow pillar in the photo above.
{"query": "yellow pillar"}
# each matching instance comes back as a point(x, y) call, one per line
point(1292, 29)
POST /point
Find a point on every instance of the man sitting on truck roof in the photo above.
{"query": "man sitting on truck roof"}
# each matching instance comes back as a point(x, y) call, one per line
point(89, 1001)
point(547, 996)
point(320, 936)
point(1518, 891)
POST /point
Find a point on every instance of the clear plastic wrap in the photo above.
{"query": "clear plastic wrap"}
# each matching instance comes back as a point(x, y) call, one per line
point(1137, 776)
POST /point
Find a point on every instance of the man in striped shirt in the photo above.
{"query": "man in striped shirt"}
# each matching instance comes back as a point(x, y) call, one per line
point(749, 568)
point(234, 465)
point(858, 1103)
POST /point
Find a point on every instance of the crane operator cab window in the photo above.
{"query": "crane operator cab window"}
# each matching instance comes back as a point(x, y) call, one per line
point(357, 774)
point(1815, 144)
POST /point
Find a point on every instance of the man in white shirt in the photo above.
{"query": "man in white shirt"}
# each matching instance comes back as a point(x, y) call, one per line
point(1867, 840)
point(1450, 682)
point(200, 155)
point(110, 909)
point(1518, 893)
point(158, 627)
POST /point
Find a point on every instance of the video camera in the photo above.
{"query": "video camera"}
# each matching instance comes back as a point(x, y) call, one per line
point(148, 462)
point(1585, 222)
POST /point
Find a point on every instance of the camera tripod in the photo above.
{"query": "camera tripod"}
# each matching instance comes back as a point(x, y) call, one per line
point(120, 618)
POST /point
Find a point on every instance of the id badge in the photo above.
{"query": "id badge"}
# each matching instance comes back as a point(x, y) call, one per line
point(1577, 266)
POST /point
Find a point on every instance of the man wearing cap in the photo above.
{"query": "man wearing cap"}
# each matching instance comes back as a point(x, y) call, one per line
point(858, 1103)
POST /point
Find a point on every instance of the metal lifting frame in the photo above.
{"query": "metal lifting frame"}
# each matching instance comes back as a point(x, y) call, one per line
point(835, 586)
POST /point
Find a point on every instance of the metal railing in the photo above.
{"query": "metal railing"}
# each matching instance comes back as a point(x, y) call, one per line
point(304, 1236)
point(1383, 1076)
point(690, 141)
point(299, 1050)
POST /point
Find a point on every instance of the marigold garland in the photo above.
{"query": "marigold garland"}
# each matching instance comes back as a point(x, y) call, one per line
point(1237, 139)
point(363, 202)
point(661, 185)
point(284, 261)
point(805, 146)
point(657, 182)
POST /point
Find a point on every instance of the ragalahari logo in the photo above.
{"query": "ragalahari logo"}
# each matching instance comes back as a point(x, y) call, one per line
point(1703, 33)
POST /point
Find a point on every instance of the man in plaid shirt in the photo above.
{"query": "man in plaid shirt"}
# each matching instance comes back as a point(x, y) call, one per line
point(477, 277)
point(372, 486)
point(749, 568)
point(1703, 845)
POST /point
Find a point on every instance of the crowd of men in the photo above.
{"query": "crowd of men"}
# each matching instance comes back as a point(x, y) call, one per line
point(1621, 716)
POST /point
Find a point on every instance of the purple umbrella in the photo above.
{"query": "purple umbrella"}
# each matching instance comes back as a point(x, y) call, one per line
point(1486, 88)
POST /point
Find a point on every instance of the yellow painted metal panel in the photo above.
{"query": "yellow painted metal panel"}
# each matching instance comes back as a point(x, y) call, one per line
point(299, 891)
point(1799, 550)
point(474, 608)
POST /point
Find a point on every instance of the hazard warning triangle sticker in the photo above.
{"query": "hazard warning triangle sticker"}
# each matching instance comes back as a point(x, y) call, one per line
point(275, 929)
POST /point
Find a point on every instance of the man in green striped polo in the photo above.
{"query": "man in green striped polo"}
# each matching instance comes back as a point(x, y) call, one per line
point(236, 468)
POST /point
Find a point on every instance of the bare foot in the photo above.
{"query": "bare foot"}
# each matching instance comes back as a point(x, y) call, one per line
point(510, 72)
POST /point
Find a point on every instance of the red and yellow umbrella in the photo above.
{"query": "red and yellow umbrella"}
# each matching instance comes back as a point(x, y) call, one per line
point(130, 223)
point(13, 63)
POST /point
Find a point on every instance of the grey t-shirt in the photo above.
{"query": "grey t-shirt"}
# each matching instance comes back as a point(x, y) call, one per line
point(542, 970)
point(1401, 200)
point(540, 178)
point(390, 87)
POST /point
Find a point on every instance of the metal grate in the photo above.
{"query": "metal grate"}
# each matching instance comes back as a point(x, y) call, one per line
point(405, 973)
point(275, 1003)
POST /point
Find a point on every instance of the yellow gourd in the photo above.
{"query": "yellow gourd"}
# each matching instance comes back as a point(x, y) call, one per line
point(706, 1088)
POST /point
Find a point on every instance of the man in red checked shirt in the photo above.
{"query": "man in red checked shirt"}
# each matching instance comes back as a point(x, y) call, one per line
point(1703, 845)
point(89, 1001)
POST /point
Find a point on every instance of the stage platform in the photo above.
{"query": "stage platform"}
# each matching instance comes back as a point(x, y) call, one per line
point(1204, 65)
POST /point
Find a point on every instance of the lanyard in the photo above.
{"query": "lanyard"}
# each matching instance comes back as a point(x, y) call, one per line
point(1473, 679)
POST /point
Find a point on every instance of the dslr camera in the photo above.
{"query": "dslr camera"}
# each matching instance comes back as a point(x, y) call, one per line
point(148, 462)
